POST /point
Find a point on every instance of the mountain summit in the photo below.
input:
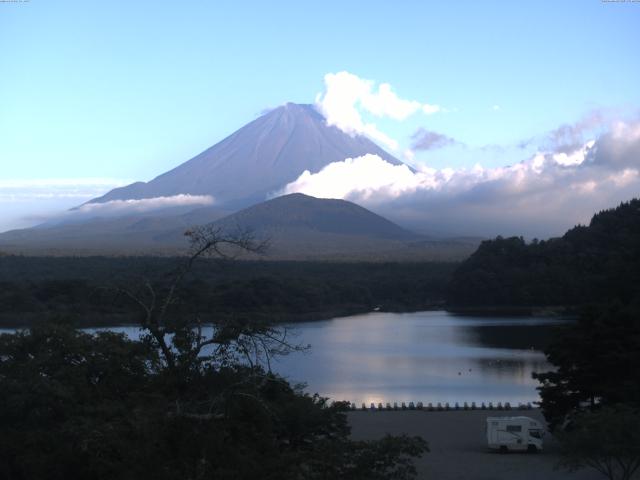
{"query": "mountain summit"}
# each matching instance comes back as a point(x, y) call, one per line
point(257, 160)
point(297, 211)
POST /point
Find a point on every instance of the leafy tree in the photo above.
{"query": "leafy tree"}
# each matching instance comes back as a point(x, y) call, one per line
point(69, 401)
point(595, 361)
point(607, 440)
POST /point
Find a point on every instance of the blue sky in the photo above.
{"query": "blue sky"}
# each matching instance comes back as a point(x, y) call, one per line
point(118, 91)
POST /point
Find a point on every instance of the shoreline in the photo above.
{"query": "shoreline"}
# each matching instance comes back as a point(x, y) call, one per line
point(28, 319)
point(124, 320)
point(513, 310)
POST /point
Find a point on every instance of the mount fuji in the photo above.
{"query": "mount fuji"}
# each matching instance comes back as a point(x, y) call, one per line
point(242, 174)
point(257, 160)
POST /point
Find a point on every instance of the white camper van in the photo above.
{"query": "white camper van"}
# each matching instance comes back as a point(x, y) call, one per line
point(515, 434)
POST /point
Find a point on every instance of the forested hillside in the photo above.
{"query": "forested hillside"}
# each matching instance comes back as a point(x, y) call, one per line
point(588, 264)
point(34, 288)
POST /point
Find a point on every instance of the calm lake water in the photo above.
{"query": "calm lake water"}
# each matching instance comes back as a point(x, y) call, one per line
point(424, 356)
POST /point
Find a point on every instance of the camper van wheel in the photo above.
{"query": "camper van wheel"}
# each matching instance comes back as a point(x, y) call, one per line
point(532, 448)
point(503, 449)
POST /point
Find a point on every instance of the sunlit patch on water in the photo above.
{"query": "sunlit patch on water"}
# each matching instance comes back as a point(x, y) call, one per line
point(423, 356)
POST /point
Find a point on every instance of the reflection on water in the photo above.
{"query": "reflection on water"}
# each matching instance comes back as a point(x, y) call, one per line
point(506, 336)
point(424, 356)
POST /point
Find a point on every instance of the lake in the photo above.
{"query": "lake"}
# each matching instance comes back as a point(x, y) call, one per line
point(432, 356)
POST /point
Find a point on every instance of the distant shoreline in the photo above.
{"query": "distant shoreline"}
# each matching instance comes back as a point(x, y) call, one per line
point(513, 310)
point(26, 320)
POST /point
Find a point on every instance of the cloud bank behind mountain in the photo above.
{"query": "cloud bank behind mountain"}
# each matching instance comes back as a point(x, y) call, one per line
point(540, 196)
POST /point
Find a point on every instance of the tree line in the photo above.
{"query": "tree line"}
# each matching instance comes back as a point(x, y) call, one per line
point(588, 264)
point(33, 288)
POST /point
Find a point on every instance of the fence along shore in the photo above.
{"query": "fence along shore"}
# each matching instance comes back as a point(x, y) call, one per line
point(439, 406)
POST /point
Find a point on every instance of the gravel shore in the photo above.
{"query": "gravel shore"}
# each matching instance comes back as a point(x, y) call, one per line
point(459, 448)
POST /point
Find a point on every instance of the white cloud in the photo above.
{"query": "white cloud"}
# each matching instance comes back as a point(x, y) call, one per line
point(372, 180)
point(385, 103)
point(625, 177)
point(26, 202)
point(409, 155)
point(364, 177)
point(52, 188)
point(346, 95)
point(569, 137)
point(544, 194)
point(431, 109)
point(145, 204)
point(574, 158)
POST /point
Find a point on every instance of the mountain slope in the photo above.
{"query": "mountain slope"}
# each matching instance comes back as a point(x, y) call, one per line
point(317, 215)
point(130, 234)
point(257, 160)
point(301, 227)
point(297, 226)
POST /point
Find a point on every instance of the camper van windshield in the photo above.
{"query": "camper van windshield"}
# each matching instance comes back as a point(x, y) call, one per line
point(535, 433)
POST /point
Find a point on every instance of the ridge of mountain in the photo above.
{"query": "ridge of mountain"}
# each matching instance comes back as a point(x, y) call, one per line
point(320, 215)
point(258, 160)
